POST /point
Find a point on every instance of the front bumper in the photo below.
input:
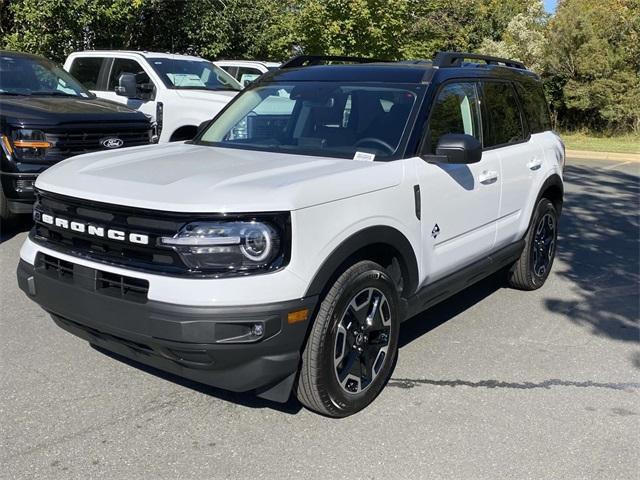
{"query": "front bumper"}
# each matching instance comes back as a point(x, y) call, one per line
point(189, 341)
point(19, 201)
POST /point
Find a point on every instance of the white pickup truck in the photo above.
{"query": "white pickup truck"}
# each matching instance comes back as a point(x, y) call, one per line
point(178, 92)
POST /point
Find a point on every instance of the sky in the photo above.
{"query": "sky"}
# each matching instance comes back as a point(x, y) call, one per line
point(550, 5)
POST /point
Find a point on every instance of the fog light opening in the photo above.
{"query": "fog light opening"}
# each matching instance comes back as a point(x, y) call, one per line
point(257, 329)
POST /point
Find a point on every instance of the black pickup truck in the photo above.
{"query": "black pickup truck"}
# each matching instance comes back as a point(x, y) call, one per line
point(47, 116)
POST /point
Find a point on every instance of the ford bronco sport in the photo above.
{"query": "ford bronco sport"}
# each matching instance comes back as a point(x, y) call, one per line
point(280, 250)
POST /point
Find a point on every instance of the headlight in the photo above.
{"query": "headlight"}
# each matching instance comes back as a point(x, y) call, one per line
point(235, 246)
point(29, 144)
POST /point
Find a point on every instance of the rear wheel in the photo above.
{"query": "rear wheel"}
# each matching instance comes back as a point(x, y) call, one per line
point(349, 355)
point(534, 265)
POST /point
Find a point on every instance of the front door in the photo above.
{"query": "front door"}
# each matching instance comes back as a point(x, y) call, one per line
point(460, 203)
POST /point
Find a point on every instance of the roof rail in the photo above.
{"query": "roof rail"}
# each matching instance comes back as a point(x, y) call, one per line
point(456, 59)
point(309, 60)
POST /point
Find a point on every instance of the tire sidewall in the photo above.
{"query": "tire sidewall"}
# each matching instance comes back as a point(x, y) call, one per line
point(544, 206)
point(350, 403)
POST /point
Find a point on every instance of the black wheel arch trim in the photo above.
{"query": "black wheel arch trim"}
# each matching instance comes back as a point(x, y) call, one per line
point(368, 237)
point(553, 181)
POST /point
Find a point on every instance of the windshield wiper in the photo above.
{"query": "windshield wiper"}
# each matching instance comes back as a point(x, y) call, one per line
point(15, 94)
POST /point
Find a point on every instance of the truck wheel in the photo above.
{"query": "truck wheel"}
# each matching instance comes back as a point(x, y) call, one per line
point(350, 352)
point(533, 267)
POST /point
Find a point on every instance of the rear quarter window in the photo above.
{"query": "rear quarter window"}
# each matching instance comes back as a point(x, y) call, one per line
point(535, 107)
point(87, 70)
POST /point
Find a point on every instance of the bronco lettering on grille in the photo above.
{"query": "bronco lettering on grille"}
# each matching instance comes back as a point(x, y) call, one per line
point(90, 229)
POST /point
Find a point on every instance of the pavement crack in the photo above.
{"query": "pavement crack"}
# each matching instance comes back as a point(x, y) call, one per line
point(546, 384)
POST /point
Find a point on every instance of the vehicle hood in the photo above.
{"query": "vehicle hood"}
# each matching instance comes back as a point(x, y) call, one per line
point(192, 178)
point(42, 110)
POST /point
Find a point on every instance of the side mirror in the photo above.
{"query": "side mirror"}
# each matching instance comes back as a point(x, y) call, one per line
point(456, 148)
point(127, 86)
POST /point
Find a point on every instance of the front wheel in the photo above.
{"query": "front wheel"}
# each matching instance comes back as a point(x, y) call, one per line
point(534, 265)
point(349, 355)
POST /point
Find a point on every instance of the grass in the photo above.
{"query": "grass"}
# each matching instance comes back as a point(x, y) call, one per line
point(628, 143)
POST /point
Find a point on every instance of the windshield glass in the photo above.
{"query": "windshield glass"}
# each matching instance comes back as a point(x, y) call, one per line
point(193, 74)
point(316, 118)
point(35, 76)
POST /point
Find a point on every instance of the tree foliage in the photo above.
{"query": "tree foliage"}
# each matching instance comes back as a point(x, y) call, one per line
point(588, 53)
point(593, 60)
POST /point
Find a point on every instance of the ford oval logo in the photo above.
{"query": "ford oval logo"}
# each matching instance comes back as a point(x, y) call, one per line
point(112, 142)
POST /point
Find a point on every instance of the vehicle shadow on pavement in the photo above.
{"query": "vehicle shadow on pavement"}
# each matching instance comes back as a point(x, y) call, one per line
point(292, 406)
point(432, 318)
point(10, 229)
point(600, 252)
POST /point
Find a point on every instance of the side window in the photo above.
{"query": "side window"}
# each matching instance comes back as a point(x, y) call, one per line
point(455, 110)
point(246, 75)
point(125, 65)
point(535, 107)
point(504, 125)
point(86, 70)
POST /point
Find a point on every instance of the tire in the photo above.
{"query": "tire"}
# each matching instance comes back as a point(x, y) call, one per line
point(535, 263)
point(346, 338)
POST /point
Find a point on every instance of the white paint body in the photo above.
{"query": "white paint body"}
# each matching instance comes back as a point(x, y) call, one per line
point(329, 200)
point(182, 108)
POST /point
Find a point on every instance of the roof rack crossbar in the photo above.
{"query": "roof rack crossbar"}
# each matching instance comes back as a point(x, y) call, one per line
point(456, 59)
point(309, 60)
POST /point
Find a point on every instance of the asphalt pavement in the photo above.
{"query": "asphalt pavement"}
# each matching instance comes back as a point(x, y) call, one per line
point(492, 384)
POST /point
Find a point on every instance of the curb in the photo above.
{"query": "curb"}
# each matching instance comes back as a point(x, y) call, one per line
point(621, 157)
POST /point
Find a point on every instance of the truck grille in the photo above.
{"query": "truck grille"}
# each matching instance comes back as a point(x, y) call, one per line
point(76, 140)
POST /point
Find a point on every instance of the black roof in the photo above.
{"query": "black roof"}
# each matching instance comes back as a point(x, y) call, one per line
point(445, 65)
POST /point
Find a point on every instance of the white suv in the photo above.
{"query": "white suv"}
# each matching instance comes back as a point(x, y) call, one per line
point(281, 249)
point(178, 92)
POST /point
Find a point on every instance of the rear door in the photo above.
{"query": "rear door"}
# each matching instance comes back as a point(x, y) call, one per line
point(521, 157)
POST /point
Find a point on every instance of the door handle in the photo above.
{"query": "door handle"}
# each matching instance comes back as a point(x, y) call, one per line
point(534, 164)
point(488, 177)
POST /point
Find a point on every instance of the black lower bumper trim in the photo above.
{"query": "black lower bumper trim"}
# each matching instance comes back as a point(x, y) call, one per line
point(187, 341)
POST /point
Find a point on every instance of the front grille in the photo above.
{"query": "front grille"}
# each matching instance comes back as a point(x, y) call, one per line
point(105, 283)
point(70, 140)
point(151, 257)
point(57, 268)
point(153, 224)
point(121, 286)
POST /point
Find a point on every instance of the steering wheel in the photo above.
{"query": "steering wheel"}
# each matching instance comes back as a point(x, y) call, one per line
point(377, 141)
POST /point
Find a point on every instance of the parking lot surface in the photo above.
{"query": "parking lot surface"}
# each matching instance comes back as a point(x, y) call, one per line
point(493, 383)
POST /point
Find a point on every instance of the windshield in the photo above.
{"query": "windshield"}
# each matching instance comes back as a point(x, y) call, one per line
point(193, 74)
point(317, 118)
point(37, 76)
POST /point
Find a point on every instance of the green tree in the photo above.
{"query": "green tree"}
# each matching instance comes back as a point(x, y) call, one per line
point(593, 64)
point(523, 38)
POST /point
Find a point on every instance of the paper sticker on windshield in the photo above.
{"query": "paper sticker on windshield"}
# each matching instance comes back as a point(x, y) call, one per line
point(364, 156)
